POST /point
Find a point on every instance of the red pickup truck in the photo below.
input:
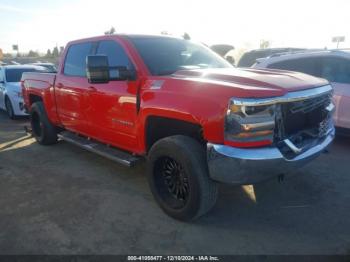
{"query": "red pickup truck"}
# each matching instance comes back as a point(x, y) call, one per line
point(197, 120)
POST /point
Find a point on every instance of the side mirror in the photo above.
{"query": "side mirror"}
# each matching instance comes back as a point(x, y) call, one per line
point(97, 69)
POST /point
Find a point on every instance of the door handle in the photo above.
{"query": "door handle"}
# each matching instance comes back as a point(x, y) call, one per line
point(59, 85)
point(92, 88)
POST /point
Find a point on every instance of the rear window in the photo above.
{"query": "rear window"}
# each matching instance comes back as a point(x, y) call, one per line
point(75, 63)
point(309, 65)
point(15, 75)
point(336, 69)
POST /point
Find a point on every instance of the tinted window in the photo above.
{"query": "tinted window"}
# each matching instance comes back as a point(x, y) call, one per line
point(249, 58)
point(1, 77)
point(336, 69)
point(15, 75)
point(165, 56)
point(309, 66)
point(75, 63)
point(116, 56)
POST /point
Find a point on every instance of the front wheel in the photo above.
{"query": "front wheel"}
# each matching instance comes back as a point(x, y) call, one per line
point(9, 108)
point(179, 179)
point(43, 131)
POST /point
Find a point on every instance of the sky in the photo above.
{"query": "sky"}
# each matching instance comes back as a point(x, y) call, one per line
point(40, 24)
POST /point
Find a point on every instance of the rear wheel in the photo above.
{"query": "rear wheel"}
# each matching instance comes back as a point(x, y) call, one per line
point(9, 108)
point(179, 179)
point(43, 131)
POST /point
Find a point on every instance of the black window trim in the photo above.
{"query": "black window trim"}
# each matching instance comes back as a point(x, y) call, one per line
point(126, 53)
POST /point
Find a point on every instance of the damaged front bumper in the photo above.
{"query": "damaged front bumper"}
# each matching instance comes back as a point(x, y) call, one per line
point(248, 166)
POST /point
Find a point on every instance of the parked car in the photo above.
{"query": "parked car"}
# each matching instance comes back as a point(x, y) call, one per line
point(222, 49)
point(249, 58)
point(11, 98)
point(333, 65)
point(51, 68)
point(194, 117)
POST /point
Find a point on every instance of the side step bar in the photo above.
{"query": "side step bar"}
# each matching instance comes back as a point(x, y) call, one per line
point(111, 153)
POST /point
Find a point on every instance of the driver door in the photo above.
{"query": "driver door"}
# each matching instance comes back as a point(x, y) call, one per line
point(114, 110)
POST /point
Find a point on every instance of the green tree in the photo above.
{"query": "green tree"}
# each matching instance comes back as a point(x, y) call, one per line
point(264, 44)
point(110, 31)
point(33, 54)
point(55, 52)
point(186, 36)
point(48, 53)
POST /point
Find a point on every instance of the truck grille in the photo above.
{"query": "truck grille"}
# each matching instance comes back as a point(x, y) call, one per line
point(303, 121)
point(305, 115)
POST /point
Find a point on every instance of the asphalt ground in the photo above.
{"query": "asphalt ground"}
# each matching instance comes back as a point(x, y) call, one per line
point(63, 200)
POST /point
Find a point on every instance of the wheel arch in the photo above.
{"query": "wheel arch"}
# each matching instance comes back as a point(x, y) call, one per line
point(34, 98)
point(158, 127)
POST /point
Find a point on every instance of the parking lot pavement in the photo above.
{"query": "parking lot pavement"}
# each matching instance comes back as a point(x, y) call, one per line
point(62, 200)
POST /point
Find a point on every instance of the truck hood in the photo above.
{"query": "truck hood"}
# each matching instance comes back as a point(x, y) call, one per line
point(277, 80)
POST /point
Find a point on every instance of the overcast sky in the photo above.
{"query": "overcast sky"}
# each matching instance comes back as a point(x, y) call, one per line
point(43, 24)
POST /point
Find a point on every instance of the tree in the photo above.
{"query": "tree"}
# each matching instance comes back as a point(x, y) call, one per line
point(33, 54)
point(8, 55)
point(264, 44)
point(110, 31)
point(186, 36)
point(48, 53)
point(61, 50)
point(55, 52)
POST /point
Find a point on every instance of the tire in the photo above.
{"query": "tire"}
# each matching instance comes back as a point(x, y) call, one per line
point(9, 108)
point(179, 179)
point(43, 131)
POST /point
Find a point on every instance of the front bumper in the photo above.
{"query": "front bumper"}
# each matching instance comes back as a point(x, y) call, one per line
point(248, 166)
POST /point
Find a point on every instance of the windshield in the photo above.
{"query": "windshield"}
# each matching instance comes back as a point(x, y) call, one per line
point(165, 56)
point(50, 68)
point(15, 75)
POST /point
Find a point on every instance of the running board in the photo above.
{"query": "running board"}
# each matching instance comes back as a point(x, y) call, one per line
point(106, 151)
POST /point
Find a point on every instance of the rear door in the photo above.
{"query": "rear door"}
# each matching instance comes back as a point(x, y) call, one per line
point(114, 109)
point(72, 90)
point(337, 71)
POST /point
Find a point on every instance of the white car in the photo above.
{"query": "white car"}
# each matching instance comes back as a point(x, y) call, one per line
point(333, 65)
point(11, 98)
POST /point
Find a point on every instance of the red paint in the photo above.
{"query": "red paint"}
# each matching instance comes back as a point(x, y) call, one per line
point(108, 112)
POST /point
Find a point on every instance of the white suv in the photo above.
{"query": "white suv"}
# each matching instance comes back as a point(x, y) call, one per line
point(10, 88)
point(333, 65)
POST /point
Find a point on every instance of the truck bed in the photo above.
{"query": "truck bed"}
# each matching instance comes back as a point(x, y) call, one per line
point(36, 80)
point(40, 86)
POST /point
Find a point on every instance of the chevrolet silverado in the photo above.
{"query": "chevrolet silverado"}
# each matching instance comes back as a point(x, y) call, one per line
point(196, 119)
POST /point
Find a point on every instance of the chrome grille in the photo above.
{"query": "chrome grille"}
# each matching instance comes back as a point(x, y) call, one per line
point(309, 105)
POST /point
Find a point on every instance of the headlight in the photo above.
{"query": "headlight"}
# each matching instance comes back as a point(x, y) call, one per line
point(249, 126)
